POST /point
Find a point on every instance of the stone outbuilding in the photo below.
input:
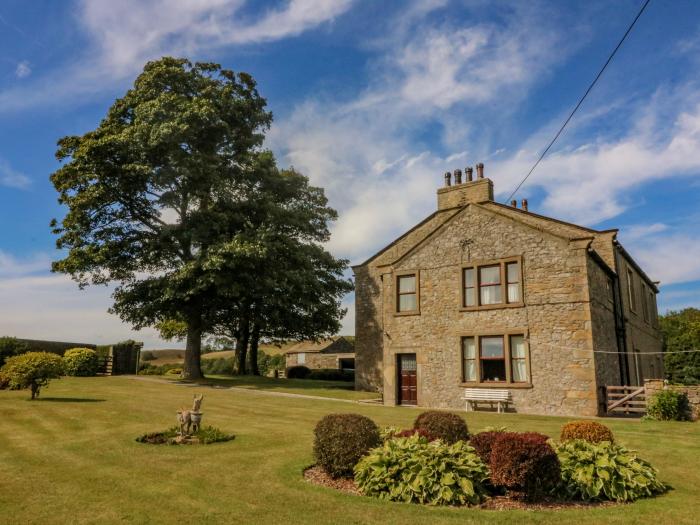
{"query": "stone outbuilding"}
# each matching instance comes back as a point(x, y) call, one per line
point(483, 295)
point(334, 353)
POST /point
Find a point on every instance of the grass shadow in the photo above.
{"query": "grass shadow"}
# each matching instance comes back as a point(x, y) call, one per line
point(69, 399)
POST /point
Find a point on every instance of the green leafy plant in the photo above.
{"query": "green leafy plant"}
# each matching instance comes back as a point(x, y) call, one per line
point(669, 405)
point(205, 436)
point(591, 431)
point(32, 370)
point(388, 432)
point(414, 470)
point(444, 425)
point(80, 362)
point(605, 471)
point(297, 372)
point(524, 464)
point(340, 440)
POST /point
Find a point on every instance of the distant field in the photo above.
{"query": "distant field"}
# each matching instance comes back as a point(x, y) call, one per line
point(173, 355)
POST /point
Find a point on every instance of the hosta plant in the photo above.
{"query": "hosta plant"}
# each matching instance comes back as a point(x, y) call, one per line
point(605, 471)
point(415, 470)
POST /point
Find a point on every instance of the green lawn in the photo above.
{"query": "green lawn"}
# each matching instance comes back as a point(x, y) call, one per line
point(72, 458)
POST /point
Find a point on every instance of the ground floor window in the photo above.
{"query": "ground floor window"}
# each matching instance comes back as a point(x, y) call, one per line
point(495, 359)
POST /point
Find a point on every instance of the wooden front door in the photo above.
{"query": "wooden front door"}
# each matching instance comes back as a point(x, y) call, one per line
point(407, 379)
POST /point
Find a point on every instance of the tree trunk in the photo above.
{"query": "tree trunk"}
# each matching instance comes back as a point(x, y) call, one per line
point(35, 390)
point(193, 351)
point(241, 352)
point(254, 340)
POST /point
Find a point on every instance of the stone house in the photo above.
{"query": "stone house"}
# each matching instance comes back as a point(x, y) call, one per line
point(485, 295)
point(336, 353)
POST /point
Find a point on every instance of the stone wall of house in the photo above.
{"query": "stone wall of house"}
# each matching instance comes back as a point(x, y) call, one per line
point(316, 360)
point(556, 318)
point(602, 307)
point(369, 330)
point(653, 386)
point(642, 336)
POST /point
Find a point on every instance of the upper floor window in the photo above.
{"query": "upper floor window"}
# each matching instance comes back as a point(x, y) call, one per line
point(645, 303)
point(492, 284)
point(407, 293)
point(495, 359)
point(630, 290)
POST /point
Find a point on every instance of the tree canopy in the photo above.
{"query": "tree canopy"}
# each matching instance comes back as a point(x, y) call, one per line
point(173, 199)
point(681, 330)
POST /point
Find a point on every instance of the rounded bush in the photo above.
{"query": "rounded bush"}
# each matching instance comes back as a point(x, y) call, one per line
point(590, 431)
point(80, 362)
point(340, 440)
point(443, 425)
point(524, 464)
point(669, 405)
point(31, 370)
point(482, 444)
point(605, 471)
point(297, 372)
point(415, 432)
point(414, 470)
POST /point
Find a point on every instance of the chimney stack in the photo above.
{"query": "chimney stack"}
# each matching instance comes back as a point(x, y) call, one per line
point(448, 181)
point(458, 176)
point(480, 170)
point(524, 204)
point(514, 203)
point(468, 171)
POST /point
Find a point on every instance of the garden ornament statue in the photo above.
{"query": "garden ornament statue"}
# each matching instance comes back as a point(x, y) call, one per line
point(190, 420)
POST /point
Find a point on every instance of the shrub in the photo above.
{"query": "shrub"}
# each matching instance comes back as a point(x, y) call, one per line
point(331, 374)
point(80, 362)
point(217, 366)
point(340, 440)
point(415, 432)
point(414, 470)
point(297, 372)
point(482, 444)
point(32, 370)
point(147, 355)
point(590, 431)
point(669, 405)
point(388, 433)
point(524, 464)
point(444, 425)
point(11, 346)
point(174, 371)
point(605, 471)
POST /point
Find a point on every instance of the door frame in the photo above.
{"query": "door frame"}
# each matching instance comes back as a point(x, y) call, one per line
point(398, 378)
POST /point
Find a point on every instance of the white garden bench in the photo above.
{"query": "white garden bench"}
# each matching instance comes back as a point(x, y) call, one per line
point(486, 395)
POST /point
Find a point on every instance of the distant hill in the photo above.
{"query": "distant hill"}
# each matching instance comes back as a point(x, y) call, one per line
point(170, 356)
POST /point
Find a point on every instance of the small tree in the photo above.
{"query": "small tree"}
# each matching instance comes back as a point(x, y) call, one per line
point(32, 370)
point(681, 330)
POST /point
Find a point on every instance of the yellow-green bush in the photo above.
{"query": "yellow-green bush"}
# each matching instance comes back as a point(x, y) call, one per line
point(80, 362)
point(31, 370)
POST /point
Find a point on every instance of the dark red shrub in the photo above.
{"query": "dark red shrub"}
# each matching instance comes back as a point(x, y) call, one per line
point(524, 464)
point(413, 431)
point(446, 426)
point(482, 443)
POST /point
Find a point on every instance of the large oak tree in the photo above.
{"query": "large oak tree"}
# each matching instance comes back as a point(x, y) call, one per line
point(166, 177)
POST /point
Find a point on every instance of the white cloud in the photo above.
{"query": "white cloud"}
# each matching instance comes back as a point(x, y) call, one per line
point(11, 177)
point(39, 305)
point(126, 34)
point(23, 69)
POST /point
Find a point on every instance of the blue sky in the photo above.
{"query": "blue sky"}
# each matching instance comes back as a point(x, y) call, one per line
point(374, 101)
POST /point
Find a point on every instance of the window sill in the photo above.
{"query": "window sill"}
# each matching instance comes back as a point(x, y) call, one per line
point(403, 314)
point(523, 386)
point(491, 307)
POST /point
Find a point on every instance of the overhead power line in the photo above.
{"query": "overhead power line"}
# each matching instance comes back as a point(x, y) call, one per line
point(595, 80)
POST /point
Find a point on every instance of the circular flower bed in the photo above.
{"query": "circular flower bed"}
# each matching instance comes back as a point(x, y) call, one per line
point(204, 436)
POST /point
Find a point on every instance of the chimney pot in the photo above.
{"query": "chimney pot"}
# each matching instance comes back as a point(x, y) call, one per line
point(469, 171)
point(480, 170)
point(448, 181)
point(458, 176)
point(514, 203)
point(524, 204)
